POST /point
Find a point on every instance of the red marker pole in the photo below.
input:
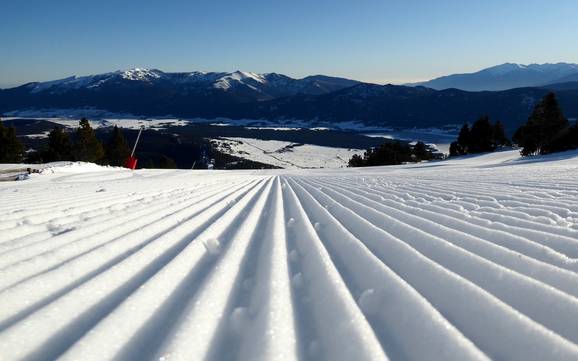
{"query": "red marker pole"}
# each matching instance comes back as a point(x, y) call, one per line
point(131, 161)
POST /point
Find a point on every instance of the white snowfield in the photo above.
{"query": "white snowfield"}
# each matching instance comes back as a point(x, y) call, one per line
point(467, 259)
point(286, 155)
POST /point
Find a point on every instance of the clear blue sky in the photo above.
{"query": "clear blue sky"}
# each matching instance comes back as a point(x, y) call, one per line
point(371, 40)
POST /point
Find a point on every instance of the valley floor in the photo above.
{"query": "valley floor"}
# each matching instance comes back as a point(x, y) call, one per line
point(467, 259)
point(287, 155)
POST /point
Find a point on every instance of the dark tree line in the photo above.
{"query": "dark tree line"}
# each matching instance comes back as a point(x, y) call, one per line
point(83, 146)
point(11, 149)
point(116, 150)
point(392, 153)
point(87, 147)
point(547, 130)
point(481, 138)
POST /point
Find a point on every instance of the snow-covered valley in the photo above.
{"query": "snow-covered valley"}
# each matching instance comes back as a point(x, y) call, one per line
point(287, 155)
point(467, 259)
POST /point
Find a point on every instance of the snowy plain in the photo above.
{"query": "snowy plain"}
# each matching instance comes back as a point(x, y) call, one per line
point(467, 259)
point(286, 155)
point(70, 117)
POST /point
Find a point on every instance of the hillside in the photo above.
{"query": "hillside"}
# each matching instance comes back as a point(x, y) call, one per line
point(468, 259)
point(407, 107)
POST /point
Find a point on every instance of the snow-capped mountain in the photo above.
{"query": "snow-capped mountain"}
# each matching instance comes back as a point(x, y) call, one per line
point(275, 97)
point(506, 76)
point(245, 84)
point(154, 92)
point(94, 81)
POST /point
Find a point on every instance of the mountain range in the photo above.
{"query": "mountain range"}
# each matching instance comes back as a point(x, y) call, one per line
point(245, 86)
point(153, 92)
point(317, 99)
point(506, 76)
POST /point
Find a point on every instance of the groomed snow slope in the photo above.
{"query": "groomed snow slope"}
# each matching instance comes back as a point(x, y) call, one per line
point(469, 259)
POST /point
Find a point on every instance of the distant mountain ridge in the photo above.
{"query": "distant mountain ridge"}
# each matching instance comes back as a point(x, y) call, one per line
point(276, 98)
point(251, 86)
point(506, 76)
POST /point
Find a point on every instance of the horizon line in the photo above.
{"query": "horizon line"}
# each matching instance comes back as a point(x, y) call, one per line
point(375, 81)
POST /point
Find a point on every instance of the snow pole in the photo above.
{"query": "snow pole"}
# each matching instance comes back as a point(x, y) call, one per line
point(131, 161)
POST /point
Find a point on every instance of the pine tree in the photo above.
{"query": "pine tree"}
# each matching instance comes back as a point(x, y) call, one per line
point(544, 127)
point(567, 139)
point(456, 149)
point(421, 152)
point(117, 150)
point(15, 147)
point(59, 147)
point(573, 136)
point(463, 140)
point(11, 149)
point(356, 161)
point(3, 140)
point(499, 136)
point(527, 137)
point(481, 136)
point(87, 147)
point(389, 153)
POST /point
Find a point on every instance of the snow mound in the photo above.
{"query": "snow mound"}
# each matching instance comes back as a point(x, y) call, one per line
point(75, 167)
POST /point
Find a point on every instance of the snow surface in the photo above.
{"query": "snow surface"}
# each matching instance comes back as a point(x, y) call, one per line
point(42, 135)
point(286, 154)
point(467, 259)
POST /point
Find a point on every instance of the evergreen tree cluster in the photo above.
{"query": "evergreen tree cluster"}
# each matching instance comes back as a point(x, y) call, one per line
point(11, 149)
point(481, 138)
point(116, 150)
point(392, 153)
point(84, 146)
point(547, 130)
point(87, 147)
point(59, 146)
